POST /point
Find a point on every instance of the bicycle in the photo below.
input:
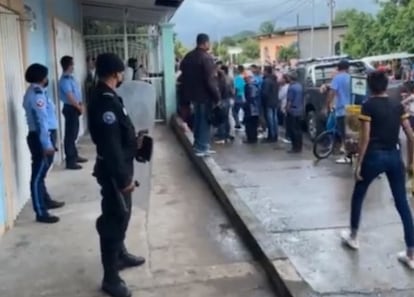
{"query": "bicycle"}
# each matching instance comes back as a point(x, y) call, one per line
point(326, 142)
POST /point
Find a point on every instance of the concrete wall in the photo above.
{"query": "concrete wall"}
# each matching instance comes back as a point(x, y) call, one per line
point(37, 46)
point(270, 46)
point(37, 41)
point(16, 5)
point(321, 42)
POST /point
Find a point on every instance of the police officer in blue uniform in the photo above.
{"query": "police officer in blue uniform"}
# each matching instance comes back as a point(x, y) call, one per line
point(42, 122)
point(116, 144)
point(70, 95)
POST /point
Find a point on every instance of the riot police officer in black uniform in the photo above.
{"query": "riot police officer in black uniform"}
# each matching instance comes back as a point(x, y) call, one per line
point(116, 144)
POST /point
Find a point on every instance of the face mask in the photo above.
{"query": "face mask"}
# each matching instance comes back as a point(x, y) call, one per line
point(119, 83)
point(46, 84)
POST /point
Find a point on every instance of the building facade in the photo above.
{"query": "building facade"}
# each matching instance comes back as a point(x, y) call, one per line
point(301, 37)
point(42, 31)
point(270, 45)
point(321, 47)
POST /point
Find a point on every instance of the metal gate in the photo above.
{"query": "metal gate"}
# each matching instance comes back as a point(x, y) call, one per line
point(143, 47)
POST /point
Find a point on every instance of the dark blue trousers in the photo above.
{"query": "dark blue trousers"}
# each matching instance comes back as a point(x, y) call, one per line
point(389, 162)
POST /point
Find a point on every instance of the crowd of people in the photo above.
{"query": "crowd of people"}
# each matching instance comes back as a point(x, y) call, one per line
point(268, 101)
point(250, 100)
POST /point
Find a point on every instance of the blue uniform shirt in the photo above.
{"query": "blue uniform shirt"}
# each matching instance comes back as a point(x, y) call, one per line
point(68, 84)
point(38, 114)
point(295, 99)
point(51, 113)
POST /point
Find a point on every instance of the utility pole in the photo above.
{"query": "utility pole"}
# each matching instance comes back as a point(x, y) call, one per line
point(331, 4)
point(297, 34)
point(313, 29)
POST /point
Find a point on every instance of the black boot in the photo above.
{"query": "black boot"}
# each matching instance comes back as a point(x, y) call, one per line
point(127, 260)
point(47, 219)
point(116, 288)
point(112, 284)
point(53, 204)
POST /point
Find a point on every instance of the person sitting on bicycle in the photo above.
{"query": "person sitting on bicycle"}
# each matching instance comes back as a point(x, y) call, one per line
point(379, 152)
point(339, 96)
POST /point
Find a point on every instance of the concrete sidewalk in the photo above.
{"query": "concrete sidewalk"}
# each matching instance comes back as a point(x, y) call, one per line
point(190, 247)
point(293, 210)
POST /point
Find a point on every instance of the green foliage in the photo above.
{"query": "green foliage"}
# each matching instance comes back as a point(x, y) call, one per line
point(343, 17)
point(288, 53)
point(267, 27)
point(245, 40)
point(179, 49)
point(391, 30)
point(94, 27)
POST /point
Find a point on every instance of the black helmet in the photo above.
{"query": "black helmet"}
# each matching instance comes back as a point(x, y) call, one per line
point(108, 64)
point(36, 73)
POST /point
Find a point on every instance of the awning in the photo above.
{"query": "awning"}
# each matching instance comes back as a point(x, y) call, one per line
point(145, 12)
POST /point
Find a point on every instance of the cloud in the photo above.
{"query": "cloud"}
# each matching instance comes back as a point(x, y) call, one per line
point(220, 18)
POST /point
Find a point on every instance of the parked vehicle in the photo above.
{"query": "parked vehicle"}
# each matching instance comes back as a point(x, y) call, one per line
point(313, 77)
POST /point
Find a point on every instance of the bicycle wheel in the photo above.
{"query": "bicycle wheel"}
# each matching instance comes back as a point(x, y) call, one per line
point(324, 145)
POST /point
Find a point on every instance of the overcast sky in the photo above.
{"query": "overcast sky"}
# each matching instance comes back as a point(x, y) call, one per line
point(220, 18)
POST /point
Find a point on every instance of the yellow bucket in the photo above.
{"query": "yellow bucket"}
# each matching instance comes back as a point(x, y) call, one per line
point(352, 121)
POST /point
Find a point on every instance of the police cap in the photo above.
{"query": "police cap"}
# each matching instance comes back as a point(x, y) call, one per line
point(108, 64)
point(36, 73)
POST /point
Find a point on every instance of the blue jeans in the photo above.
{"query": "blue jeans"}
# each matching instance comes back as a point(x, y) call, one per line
point(201, 127)
point(223, 131)
point(272, 123)
point(388, 162)
point(238, 105)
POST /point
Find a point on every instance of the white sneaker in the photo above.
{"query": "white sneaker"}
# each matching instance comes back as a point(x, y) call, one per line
point(348, 241)
point(287, 141)
point(220, 142)
point(343, 160)
point(201, 154)
point(211, 152)
point(404, 259)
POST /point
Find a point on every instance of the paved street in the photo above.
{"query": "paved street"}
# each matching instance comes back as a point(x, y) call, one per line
point(191, 248)
point(303, 206)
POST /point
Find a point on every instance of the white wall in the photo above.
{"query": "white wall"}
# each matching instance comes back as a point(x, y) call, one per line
point(321, 42)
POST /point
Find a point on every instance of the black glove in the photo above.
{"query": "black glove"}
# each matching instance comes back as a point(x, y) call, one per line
point(145, 147)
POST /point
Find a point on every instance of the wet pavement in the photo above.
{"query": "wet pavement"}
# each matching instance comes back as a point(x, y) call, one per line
point(190, 247)
point(303, 206)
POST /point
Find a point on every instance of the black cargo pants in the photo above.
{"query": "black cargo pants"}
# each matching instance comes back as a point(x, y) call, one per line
point(113, 222)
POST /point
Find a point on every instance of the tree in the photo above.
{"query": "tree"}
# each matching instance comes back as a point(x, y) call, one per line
point(360, 39)
point(245, 40)
point(342, 17)
point(267, 27)
point(395, 2)
point(288, 53)
point(179, 49)
point(251, 49)
point(389, 31)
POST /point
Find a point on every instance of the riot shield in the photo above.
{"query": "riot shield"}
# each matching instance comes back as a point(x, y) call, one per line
point(140, 99)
